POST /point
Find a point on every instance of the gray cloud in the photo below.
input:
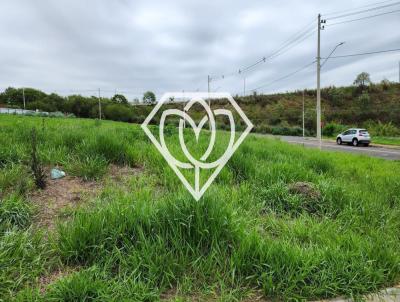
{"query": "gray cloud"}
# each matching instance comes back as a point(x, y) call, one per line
point(133, 46)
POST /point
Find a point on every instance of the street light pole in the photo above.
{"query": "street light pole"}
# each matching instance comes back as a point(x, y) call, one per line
point(331, 53)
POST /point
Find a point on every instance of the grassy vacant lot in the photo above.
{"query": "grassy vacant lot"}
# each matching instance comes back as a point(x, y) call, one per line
point(125, 229)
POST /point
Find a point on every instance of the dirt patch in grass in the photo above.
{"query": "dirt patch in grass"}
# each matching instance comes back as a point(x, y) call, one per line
point(59, 194)
point(57, 274)
point(172, 293)
point(70, 192)
point(122, 173)
point(305, 189)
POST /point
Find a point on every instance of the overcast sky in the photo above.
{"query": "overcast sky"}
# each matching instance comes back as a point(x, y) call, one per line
point(76, 46)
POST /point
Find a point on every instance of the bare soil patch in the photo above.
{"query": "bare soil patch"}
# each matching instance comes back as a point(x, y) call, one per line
point(122, 173)
point(71, 192)
point(57, 274)
point(306, 189)
point(172, 293)
point(68, 191)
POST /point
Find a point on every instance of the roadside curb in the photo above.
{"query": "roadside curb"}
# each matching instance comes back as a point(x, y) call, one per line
point(391, 294)
point(386, 146)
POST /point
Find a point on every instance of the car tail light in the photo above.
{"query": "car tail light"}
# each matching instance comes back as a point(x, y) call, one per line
point(361, 134)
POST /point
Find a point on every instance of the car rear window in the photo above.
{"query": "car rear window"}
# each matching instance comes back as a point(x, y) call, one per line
point(364, 132)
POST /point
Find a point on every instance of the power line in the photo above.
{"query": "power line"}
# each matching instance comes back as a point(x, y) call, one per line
point(294, 40)
point(357, 8)
point(365, 53)
point(304, 38)
point(290, 42)
point(276, 54)
point(364, 18)
point(285, 76)
point(364, 11)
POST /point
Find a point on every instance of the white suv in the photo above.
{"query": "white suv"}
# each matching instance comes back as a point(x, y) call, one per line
point(354, 136)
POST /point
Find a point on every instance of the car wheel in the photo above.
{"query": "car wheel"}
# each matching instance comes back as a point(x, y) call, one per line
point(339, 141)
point(355, 142)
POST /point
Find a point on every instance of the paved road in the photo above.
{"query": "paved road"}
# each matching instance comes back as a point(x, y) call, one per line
point(375, 151)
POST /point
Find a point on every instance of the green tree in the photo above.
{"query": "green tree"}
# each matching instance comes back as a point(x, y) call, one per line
point(14, 96)
point(119, 99)
point(362, 79)
point(385, 84)
point(149, 97)
point(81, 106)
point(118, 112)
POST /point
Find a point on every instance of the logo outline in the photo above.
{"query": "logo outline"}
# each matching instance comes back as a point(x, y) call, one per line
point(197, 192)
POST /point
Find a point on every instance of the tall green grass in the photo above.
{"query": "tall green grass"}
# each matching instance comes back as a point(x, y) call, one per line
point(249, 234)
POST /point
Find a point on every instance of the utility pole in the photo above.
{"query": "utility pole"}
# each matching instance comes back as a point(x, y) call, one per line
point(184, 111)
point(99, 106)
point(23, 96)
point(208, 88)
point(319, 82)
point(303, 113)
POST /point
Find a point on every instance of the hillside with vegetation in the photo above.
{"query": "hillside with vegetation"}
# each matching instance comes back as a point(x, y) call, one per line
point(280, 222)
point(375, 106)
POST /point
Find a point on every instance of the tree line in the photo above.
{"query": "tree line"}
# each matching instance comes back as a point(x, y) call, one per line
point(115, 108)
point(280, 113)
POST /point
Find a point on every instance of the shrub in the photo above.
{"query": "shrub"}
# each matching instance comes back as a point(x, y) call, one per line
point(262, 128)
point(292, 131)
point(364, 98)
point(36, 165)
point(332, 129)
point(381, 129)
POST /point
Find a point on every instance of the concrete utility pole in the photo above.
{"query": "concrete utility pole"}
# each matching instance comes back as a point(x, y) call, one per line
point(184, 111)
point(303, 113)
point(208, 88)
point(319, 82)
point(23, 96)
point(99, 106)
